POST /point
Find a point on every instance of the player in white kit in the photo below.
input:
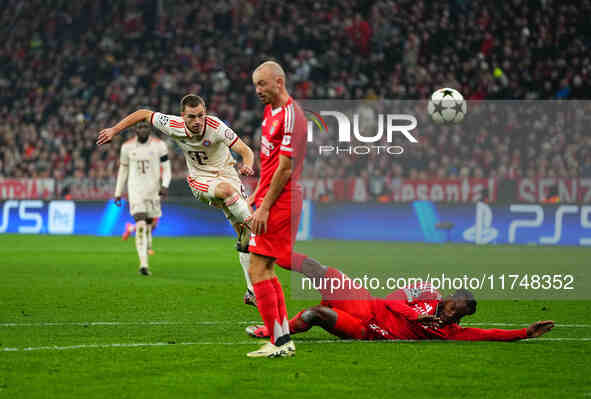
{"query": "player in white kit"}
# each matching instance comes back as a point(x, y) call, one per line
point(140, 162)
point(206, 142)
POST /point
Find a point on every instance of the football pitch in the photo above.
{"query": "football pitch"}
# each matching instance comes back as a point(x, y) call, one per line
point(78, 321)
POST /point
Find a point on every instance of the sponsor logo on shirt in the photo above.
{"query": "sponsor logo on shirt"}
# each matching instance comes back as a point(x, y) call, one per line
point(266, 146)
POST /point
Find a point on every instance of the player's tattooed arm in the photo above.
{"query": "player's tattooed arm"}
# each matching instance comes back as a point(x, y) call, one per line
point(107, 135)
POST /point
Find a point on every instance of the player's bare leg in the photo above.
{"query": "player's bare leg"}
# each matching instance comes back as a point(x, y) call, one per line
point(141, 242)
point(269, 303)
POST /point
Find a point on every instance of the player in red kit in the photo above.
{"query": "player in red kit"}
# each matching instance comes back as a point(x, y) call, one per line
point(278, 201)
point(417, 313)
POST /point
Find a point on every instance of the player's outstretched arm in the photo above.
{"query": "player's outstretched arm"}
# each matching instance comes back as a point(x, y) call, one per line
point(107, 135)
point(539, 328)
point(535, 330)
point(247, 155)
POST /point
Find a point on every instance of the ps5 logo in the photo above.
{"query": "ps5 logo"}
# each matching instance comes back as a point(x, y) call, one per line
point(32, 217)
point(482, 232)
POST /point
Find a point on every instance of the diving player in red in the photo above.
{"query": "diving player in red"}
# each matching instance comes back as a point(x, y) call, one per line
point(278, 201)
point(418, 313)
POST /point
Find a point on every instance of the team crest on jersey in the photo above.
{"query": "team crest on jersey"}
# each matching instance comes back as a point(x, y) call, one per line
point(273, 126)
point(229, 134)
point(206, 143)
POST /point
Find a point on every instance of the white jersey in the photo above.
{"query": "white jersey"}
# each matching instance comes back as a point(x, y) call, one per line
point(144, 167)
point(207, 155)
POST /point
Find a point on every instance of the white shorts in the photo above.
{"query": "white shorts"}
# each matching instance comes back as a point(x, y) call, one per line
point(203, 188)
point(149, 206)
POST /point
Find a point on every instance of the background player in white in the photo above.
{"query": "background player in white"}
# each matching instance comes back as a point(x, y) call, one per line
point(206, 142)
point(140, 160)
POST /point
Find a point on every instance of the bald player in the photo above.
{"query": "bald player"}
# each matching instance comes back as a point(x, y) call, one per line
point(278, 201)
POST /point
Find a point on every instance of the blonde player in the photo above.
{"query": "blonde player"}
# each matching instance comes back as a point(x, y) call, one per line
point(141, 158)
point(206, 142)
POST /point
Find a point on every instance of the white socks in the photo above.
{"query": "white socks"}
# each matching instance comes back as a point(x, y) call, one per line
point(141, 242)
point(149, 235)
point(245, 262)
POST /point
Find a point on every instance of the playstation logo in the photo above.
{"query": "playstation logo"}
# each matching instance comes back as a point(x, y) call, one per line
point(482, 232)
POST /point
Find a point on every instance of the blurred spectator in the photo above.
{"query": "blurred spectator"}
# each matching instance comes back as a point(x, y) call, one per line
point(68, 69)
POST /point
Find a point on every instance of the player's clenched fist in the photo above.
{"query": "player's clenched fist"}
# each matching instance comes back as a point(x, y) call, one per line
point(246, 170)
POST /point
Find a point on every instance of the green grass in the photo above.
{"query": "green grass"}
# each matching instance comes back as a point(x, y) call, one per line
point(195, 294)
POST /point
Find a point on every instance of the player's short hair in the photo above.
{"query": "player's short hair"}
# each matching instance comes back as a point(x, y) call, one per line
point(468, 298)
point(191, 100)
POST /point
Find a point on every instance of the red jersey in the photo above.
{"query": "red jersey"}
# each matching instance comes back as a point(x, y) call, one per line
point(395, 317)
point(283, 133)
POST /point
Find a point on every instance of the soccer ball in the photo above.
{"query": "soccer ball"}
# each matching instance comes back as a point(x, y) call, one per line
point(447, 106)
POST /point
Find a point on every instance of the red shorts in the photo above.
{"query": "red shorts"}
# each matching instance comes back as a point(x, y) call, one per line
point(282, 227)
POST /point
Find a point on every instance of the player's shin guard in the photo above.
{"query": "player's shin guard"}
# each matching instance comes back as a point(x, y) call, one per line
point(282, 309)
point(267, 305)
point(238, 208)
point(141, 242)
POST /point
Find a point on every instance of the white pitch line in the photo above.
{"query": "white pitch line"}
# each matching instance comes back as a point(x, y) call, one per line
point(251, 342)
point(121, 323)
point(524, 325)
point(158, 323)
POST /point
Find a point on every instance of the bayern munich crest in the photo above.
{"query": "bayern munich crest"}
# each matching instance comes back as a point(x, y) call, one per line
point(206, 143)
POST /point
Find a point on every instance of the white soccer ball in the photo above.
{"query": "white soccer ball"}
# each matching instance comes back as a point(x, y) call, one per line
point(447, 106)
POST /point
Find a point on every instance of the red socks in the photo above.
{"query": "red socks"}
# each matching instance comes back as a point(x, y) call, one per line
point(282, 309)
point(348, 326)
point(267, 305)
point(297, 325)
point(271, 305)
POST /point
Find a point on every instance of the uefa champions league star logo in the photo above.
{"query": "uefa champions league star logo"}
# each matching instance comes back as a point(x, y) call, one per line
point(482, 232)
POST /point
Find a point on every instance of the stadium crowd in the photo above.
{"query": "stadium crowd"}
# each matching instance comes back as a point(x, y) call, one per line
point(69, 69)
